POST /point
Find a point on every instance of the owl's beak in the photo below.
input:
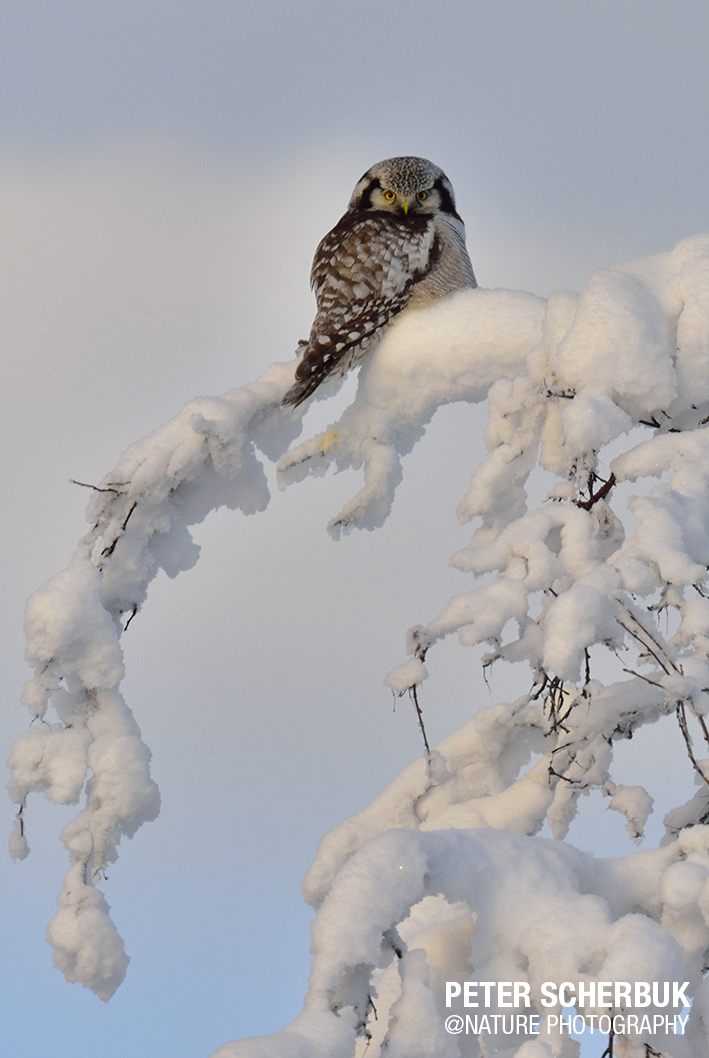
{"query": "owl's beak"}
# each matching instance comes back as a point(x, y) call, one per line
point(405, 206)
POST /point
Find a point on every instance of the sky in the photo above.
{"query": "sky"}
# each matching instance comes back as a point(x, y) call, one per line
point(166, 171)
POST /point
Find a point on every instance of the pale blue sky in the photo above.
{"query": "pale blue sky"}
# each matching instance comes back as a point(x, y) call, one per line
point(166, 171)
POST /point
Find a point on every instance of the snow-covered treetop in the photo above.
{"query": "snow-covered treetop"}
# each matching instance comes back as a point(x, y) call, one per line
point(442, 875)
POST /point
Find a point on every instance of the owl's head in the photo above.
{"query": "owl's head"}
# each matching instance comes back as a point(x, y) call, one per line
point(404, 186)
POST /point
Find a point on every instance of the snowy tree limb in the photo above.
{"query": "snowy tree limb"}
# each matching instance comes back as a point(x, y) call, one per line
point(447, 861)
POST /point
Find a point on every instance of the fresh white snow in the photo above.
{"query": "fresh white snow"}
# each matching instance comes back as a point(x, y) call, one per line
point(444, 876)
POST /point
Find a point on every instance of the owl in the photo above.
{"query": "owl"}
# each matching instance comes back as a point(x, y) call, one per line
point(399, 245)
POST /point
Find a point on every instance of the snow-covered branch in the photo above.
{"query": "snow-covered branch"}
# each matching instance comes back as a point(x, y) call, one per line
point(140, 514)
point(445, 870)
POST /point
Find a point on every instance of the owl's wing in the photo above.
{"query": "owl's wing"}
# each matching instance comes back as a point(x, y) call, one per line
point(370, 259)
point(363, 274)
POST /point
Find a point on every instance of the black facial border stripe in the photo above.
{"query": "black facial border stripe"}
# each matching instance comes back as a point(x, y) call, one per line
point(365, 201)
point(447, 204)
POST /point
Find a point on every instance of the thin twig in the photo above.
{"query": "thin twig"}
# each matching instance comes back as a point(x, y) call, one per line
point(108, 551)
point(594, 497)
point(632, 672)
point(608, 1053)
point(571, 782)
point(644, 644)
point(680, 709)
point(543, 680)
point(84, 485)
point(682, 718)
point(703, 725)
point(651, 637)
point(415, 700)
point(125, 523)
point(555, 703)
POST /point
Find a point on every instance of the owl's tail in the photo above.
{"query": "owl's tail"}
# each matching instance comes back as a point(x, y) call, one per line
point(301, 390)
point(319, 363)
point(306, 378)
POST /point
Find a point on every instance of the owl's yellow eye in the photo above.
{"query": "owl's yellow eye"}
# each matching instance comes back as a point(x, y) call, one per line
point(422, 196)
point(389, 196)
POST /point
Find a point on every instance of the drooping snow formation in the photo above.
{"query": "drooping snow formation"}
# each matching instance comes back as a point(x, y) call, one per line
point(443, 877)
